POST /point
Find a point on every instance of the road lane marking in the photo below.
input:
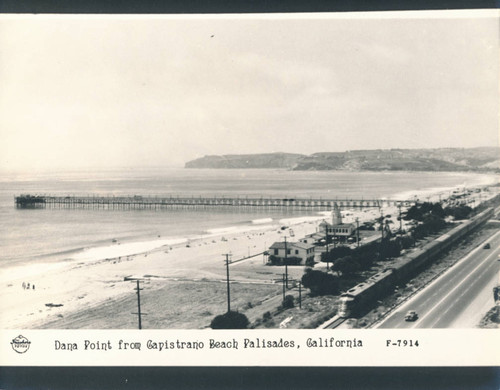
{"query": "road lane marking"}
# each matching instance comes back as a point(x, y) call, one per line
point(439, 279)
point(486, 270)
point(452, 291)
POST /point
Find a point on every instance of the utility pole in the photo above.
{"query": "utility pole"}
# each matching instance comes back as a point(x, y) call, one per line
point(300, 295)
point(382, 223)
point(284, 288)
point(401, 221)
point(357, 232)
point(327, 254)
point(286, 266)
point(228, 290)
point(139, 314)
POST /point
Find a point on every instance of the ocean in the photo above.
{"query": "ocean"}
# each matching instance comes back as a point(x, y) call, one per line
point(55, 235)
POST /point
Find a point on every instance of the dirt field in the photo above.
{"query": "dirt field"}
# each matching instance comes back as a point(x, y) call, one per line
point(170, 304)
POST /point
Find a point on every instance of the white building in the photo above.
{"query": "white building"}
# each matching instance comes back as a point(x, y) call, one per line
point(297, 253)
point(337, 227)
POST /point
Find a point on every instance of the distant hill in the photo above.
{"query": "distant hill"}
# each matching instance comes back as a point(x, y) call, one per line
point(268, 160)
point(485, 159)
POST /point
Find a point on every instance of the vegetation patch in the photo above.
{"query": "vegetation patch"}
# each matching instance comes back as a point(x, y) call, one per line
point(230, 320)
point(491, 320)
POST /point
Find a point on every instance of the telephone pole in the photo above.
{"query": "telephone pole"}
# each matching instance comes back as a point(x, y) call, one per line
point(139, 314)
point(286, 265)
point(382, 223)
point(326, 252)
point(228, 290)
point(401, 221)
point(357, 232)
point(300, 295)
point(284, 288)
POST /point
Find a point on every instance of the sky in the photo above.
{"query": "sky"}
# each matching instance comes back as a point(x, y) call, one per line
point(82, 91)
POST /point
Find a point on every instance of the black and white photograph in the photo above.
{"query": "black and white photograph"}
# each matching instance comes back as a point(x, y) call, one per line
point(267, 171)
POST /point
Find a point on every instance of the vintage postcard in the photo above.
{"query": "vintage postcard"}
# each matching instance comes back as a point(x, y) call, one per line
point(322, 187)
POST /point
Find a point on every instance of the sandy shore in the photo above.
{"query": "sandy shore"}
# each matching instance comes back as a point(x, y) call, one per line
point(81, 285)
point(66, 287)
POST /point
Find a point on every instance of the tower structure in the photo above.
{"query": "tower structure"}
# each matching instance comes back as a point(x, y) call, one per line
point(336, 215)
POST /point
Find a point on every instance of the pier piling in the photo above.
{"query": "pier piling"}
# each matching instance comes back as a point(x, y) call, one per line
point(189, 202)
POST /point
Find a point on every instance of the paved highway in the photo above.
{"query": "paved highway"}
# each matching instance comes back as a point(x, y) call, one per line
point(457, 299)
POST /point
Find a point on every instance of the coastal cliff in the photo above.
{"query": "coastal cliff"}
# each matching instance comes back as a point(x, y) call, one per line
point(267, 160)
point(484, 159)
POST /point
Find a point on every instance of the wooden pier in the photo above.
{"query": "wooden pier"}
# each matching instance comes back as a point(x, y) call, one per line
point(181, 202)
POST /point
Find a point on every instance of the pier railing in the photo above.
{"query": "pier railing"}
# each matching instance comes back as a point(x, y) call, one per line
point(159, 202)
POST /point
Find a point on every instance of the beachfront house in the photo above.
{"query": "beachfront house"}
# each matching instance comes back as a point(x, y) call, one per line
point(295, 253)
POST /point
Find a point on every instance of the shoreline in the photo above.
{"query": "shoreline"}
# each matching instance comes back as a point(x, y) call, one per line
point(79, 284)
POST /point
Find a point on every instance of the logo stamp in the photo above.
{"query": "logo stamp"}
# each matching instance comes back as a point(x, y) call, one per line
point(20, 344)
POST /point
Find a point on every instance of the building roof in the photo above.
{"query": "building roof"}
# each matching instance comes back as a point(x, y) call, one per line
point(290, 245)
point(279, 245)
point(341, 225)
point(344, 225)
point(316, 236)
point(303, 245)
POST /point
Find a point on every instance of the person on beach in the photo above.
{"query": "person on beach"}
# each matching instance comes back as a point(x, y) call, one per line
point(24, 286)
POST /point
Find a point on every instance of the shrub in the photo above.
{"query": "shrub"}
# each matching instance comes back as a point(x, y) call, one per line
point(274, 260)
point(418, 211)
point(345, 266)
point(230, 320)
point(288, 302)
point(291, 260)
point(335, 253)
point(405, 242)
point(459, 212)
point(266, 316)
point(269, 324)
point(389, 248)
point(320, 283)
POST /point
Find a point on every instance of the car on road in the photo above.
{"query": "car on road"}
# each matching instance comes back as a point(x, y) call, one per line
point(411, 316)
point(487, 246)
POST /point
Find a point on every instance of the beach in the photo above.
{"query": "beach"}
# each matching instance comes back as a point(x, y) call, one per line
point(59, 289)
point(178, 256)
